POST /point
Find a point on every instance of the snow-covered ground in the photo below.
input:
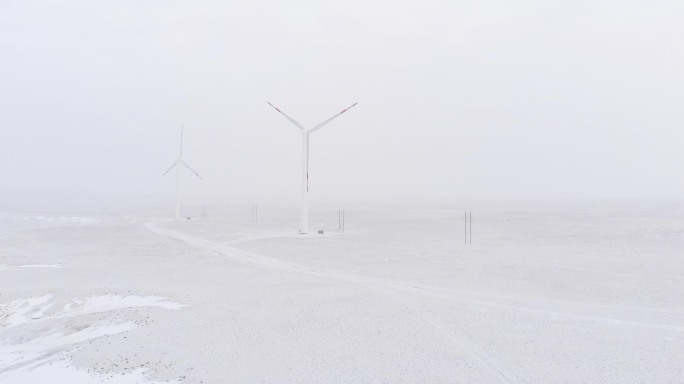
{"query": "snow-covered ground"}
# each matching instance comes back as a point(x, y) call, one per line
point(572, 292)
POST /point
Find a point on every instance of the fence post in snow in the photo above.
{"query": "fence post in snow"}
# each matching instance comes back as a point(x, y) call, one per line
point(340, 220)
point(467, 239)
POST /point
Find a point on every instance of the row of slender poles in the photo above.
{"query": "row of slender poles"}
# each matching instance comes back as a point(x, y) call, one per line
point(255, 216)
point(467, 222)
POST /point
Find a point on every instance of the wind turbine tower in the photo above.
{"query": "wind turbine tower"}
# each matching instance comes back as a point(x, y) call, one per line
point(178, 164)
point(304, 223)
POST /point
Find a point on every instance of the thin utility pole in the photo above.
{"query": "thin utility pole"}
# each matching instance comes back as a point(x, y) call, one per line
point(340, 220)
point(255, 214)
point(466, 238)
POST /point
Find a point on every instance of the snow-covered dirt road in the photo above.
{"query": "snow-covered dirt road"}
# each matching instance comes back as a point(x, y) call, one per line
point(541, 296)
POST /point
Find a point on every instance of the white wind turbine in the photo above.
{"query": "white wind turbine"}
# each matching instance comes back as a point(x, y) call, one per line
point(304, 224)
point(177, 164)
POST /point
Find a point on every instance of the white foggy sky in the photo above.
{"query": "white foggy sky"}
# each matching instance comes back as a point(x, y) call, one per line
point(456, 98)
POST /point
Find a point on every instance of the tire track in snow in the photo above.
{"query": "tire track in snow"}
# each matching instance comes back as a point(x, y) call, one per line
point(436, 292)
point(488, 297)
point(487, 362)
point(464, 297)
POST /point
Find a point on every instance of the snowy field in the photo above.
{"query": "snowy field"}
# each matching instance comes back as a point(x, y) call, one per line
point(573, 292)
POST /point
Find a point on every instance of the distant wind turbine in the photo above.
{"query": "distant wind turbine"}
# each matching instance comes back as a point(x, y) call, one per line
point(177, 164)
point(304, 224)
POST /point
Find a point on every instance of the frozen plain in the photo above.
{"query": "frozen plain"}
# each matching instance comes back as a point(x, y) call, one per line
point(548, 292)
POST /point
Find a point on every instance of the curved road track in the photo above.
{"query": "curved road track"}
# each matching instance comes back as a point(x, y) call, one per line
point(393, 289)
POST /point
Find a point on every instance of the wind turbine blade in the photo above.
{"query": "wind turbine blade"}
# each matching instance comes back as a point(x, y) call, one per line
point(191, 170)
point(293, 121)
point(319, 126)
point(180, 154)
point(170, 168)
